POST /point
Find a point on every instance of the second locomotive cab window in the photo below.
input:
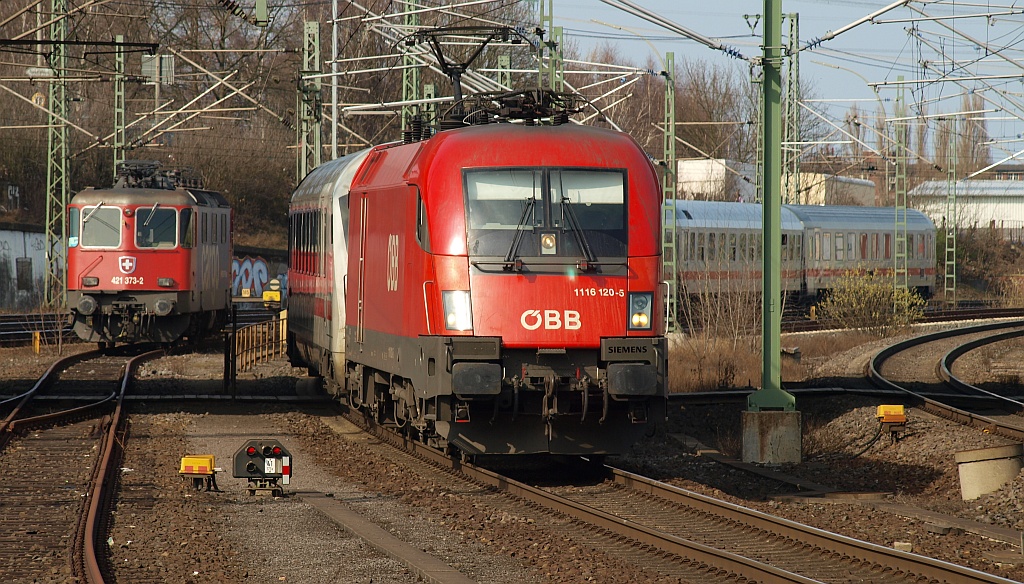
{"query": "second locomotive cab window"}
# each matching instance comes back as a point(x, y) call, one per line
point(555, 211)
point(156, 227)
point(101, 226)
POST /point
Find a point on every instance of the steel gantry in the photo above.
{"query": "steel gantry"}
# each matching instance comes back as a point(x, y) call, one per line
point(791, 143)
point(669, 246)
point(309, 103)
point(901, 128)
point(410, 67)
point(950, 222)
point(57, 179)
point(119, 141)
point(551, 71)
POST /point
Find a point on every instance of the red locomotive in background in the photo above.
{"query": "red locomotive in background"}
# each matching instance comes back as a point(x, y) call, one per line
point(492, 289)
point(148, 259)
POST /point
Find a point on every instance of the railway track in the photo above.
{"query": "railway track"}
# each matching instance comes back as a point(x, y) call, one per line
point(18, 329)
point(930, 385)
point(682, 534)
point(61, 463)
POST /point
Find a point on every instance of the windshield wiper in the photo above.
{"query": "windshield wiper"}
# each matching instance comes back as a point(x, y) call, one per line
point(577, 231)
point(150, 217)
point(91, 213)
point(511, 262)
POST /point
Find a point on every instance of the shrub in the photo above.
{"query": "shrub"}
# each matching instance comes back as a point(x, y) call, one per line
point(864, 300)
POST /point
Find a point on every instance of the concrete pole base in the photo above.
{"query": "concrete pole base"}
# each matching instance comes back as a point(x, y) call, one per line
point(985, 470)
point(772, 437)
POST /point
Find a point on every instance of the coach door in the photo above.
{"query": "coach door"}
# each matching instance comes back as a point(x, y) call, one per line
point(361, 269)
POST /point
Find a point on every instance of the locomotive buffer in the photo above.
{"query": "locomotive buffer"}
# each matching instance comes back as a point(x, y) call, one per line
point(263, 462)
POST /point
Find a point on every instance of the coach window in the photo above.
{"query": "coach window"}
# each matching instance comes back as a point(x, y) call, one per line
point(826, 247)
point(712, 247)
point(785, 247)
point(693, 246)
point(318, 225)
point(851, 247)
point(732, 247)
point(101, 226)
point(888, 246)
point(839, 247)
point(702, 254)
point(744, 256)
point(798, 247)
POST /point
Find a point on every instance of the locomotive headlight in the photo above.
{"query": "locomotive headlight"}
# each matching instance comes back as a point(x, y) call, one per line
point(640, 306)
point(90, 281)
point(163, 307)
point(458, 310)
point(548, 244)
point(86, 305)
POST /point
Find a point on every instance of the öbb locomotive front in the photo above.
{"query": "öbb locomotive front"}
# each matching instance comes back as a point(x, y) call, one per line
point(149, 259)
point(493, 289)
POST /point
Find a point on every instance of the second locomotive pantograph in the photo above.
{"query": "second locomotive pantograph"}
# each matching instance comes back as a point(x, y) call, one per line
point(149, 259)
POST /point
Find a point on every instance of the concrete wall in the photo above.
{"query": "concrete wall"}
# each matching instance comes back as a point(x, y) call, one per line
point(829, 189)
point(22, 267)
point(715, 180)
point(724, 180)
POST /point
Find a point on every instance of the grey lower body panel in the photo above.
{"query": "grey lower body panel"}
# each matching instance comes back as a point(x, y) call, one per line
point(473, 393)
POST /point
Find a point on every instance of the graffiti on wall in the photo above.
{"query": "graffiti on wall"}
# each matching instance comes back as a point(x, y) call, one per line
point(252, 273)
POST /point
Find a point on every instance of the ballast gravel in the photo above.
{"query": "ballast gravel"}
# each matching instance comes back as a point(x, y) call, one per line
point(166, 531)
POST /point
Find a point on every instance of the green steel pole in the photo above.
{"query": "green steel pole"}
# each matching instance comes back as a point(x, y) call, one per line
point(57, 167)
point(771, 396)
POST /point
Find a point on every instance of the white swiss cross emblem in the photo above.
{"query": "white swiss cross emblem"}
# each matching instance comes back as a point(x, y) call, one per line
point(126, 263)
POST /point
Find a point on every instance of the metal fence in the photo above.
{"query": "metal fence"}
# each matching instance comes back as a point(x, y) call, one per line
point(260, 342)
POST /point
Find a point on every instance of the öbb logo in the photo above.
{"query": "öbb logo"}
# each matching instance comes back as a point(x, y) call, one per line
point(550, 319)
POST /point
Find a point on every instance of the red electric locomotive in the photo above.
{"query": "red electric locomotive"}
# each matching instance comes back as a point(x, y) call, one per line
point(148, 259)
point(495, 289)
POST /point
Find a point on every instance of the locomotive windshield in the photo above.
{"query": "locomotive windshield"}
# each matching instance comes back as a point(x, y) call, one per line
point(101, 226)
point(546, 212)
point(155, 227)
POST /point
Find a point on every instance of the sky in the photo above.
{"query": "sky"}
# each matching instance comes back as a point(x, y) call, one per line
point(839, 70)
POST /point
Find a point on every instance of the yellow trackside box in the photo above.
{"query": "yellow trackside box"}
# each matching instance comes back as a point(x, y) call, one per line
point(891, 415)
point(197, 464)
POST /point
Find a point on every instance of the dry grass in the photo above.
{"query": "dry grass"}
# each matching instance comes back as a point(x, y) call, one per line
point(702, 363)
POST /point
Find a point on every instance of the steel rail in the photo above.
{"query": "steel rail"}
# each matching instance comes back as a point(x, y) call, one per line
point(7, 424)
point(933, 406)
point(919, 566)
point(886, 559)
point(102, 483)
